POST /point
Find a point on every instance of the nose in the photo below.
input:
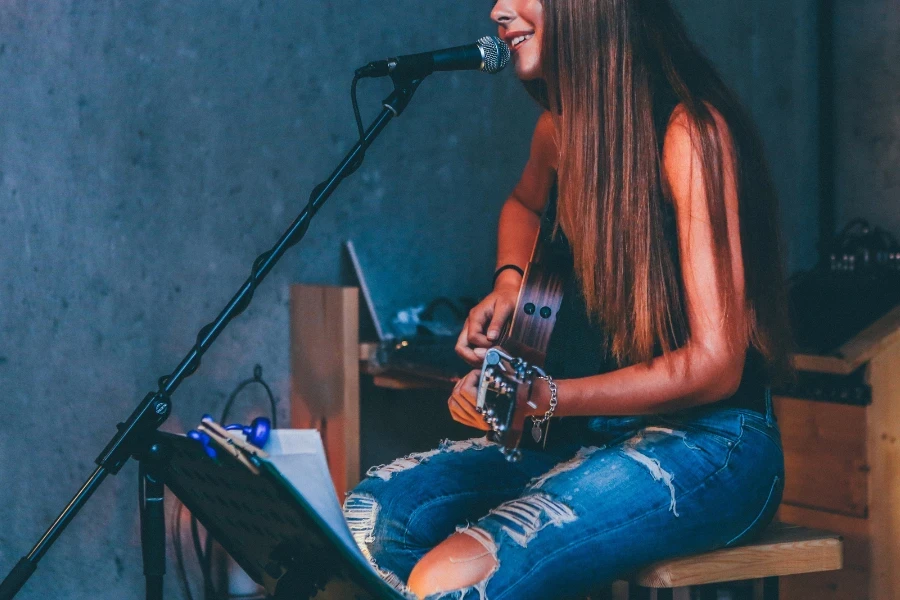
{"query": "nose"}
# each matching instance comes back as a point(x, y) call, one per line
point(503, 13)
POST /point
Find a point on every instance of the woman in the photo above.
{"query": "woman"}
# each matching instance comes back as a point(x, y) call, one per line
point(663, 440)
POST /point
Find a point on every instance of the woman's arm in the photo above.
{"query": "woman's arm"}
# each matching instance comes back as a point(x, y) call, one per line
point(517, 229)
point(520, 216)
point(707, 368)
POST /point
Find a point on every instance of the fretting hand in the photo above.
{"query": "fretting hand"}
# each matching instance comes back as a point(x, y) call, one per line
point(488, 318)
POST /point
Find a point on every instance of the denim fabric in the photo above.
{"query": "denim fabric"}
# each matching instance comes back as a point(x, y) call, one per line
point(568, 520)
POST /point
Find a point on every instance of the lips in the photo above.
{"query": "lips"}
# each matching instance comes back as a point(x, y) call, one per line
point(515, 39)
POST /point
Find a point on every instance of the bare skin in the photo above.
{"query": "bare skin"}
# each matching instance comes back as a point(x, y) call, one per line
point(663, 384)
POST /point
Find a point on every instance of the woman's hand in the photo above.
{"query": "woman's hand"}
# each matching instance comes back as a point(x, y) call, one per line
point(462, 402)
point(485, 322)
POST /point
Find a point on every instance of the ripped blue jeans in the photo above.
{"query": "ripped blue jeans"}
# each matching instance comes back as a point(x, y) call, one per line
point(573, 518)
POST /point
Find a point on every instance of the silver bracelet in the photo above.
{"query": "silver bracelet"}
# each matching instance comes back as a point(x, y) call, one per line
point(536, 431)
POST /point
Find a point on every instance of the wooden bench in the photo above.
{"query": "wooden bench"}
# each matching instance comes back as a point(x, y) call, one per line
point(782, 549)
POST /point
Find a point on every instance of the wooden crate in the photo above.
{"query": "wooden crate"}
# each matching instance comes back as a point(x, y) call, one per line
point(843, 469)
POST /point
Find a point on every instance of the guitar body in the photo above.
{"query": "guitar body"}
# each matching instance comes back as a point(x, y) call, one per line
point(509, 369)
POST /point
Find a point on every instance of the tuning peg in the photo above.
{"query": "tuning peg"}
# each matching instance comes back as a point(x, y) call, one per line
point(492, 357)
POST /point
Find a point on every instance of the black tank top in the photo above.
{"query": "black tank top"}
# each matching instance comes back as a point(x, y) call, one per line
point(578, 345)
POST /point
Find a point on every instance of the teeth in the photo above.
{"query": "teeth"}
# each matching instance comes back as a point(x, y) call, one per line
point(522, 38)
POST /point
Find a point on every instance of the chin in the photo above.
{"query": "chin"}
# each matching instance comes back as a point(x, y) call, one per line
point(527, 63)
point(528, 73)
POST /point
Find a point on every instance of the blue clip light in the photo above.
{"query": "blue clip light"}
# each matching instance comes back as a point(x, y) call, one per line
point(257, 434)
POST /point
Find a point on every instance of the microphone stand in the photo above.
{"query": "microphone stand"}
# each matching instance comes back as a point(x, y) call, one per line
point(134, 435)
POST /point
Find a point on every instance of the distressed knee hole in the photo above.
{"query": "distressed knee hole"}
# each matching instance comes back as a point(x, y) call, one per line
point(435, 589)
point(361, 514)
point(652, 464)
point(415, 459)
point(570, 465)
point(521, 519)
point(482, 537)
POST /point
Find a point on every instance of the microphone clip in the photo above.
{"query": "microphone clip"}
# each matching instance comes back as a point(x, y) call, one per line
point(377, 68)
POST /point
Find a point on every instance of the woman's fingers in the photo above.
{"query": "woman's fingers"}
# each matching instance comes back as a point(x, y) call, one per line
point(502, 311)
point(483, 327)
point(460, 415)
point(463, 349)
point(462, 402)
point(464, 408)
point(479, 318)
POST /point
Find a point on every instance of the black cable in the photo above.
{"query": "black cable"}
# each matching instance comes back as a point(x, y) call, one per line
point(359, 127)
point(204, 556)
point(257, 378)
point(179, 554)
point(205, 560)
point(359, 123)
point(203, 550)
point(427, 313)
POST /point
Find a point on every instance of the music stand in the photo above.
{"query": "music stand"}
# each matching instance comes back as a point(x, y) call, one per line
point(269, 529)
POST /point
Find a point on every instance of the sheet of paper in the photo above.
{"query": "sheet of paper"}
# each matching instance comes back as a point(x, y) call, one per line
point(299, 456)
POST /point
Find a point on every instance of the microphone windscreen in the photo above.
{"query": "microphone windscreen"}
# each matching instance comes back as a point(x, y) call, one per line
point(495, 52)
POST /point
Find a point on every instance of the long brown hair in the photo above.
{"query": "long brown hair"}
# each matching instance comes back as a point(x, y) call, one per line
point(605, 63)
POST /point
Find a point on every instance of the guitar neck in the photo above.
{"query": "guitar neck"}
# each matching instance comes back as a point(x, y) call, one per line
point(538, 303)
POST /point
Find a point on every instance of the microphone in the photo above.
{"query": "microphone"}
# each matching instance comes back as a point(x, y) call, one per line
point(489, 54)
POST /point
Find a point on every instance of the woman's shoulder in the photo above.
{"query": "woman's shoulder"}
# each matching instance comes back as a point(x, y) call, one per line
point(683, 143)
point(539, 174)
point(683, 127)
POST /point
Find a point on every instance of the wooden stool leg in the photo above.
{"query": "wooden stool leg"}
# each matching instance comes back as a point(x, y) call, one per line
point(681, 593)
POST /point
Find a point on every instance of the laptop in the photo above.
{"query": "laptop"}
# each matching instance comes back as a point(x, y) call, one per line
point(428, 351)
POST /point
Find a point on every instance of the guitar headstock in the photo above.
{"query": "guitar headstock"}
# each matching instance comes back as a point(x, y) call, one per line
point(504, 389)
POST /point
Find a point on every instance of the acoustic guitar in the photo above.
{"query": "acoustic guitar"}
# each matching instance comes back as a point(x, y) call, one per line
point(510, 368)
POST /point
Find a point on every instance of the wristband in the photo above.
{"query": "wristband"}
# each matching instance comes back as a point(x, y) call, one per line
point(515, 268)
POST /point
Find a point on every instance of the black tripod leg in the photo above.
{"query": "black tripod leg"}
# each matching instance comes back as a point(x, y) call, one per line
point(153, 529)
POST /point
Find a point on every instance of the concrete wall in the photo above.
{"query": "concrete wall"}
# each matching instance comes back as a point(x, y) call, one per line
point(867, 112)
point(150, 150)
point(767, 50)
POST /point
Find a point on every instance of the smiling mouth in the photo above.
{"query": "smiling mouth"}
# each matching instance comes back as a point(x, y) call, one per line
point(519, 40)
